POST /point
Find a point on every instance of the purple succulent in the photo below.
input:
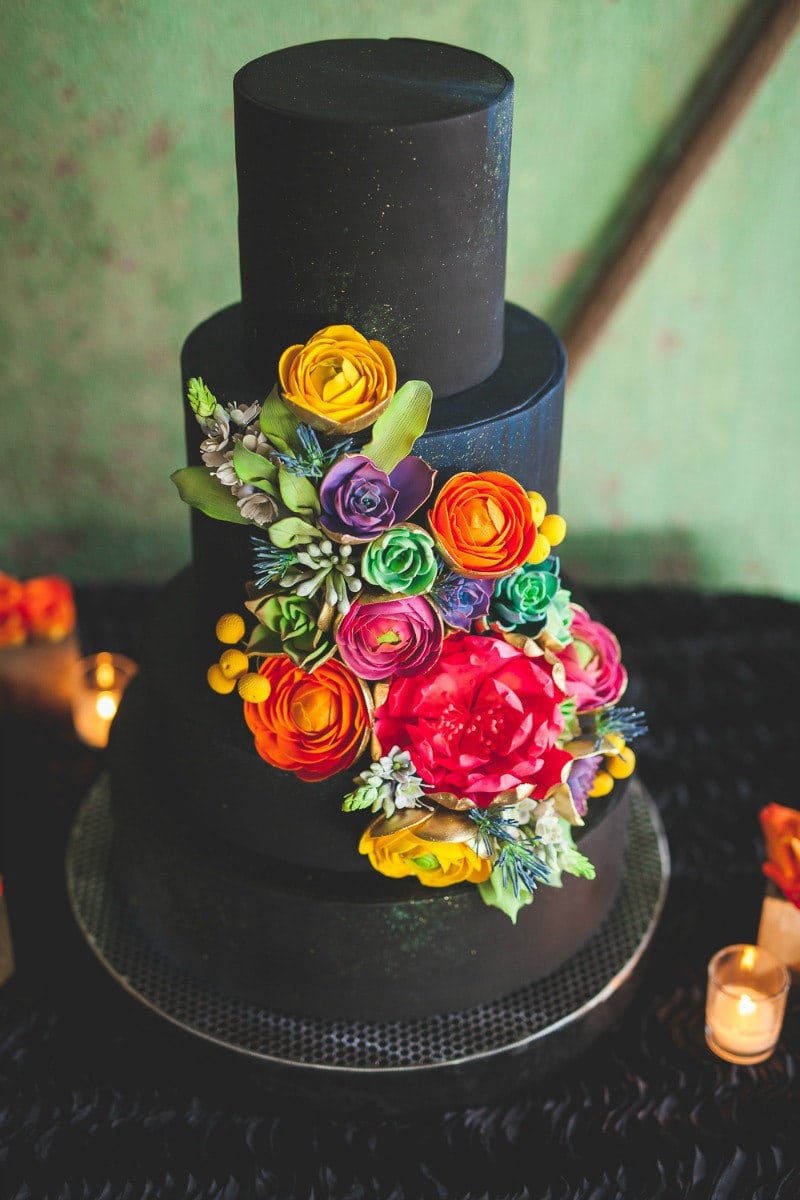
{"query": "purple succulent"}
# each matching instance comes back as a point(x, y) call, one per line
point(359, 501)
point(461, 600)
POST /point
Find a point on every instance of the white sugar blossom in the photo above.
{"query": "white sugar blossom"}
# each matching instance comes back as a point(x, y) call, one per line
point(243, 416)
point(388, 784)
point(547, 824)
point(226, 472)
point(255, 505)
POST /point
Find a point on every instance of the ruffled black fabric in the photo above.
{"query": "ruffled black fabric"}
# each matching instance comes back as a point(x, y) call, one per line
point(101, 1099)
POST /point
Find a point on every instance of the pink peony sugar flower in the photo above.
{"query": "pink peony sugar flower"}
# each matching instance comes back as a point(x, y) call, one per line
point(484, 719)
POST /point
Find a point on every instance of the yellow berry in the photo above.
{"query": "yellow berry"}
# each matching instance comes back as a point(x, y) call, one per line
point(616, 741)
point(540, 551)
point(253, 687)
point(230, 628)
point(603, 783)
point(538, 507)
point(622, 764)
point(233, 663)
point(554, 528)
point(218, 682)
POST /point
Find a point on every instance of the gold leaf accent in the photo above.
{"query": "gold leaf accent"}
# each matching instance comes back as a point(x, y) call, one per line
point(447, 826)
point(325, 425)
point(549, 643)
point(582, 748)
point(451, 801)
point(512, 796)
point(564, 803)
point(401, 818)
point(324, 620)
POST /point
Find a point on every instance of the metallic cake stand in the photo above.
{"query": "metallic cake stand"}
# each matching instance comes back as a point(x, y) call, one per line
point(449, 1060)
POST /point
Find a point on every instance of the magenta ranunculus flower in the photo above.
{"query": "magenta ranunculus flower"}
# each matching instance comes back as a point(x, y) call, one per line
point(595, 674)
point(359, 501)
point(390, 637)
point(484, 719)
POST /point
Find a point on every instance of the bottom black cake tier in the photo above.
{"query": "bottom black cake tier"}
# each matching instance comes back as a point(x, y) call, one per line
point(332, 945)
point(390, 1067)
point(252, 880)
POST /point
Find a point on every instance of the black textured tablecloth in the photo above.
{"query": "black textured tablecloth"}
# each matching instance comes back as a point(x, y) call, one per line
point(101, 1098)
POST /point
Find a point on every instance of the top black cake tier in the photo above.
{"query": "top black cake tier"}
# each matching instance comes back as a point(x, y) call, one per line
point(373, 186)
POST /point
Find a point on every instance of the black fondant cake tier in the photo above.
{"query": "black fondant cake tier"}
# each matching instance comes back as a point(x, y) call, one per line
point(322, 944)
point(373, 180)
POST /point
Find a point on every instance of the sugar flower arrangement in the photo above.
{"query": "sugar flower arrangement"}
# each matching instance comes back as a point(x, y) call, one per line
point(424, 623)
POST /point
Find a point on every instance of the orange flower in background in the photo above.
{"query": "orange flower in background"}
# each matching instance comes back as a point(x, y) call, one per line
point(49, 608)
point(338, 382)
point(781, 828)
point(436, 864)
point(313, 724)
point(483, 524)
point(13, 628)
point(40, 610)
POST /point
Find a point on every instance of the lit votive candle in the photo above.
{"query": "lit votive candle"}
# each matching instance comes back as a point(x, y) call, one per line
point(101, 680)
point(745, 1003)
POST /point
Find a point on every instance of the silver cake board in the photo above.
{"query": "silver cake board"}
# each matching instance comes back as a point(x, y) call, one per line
point(443, 1061)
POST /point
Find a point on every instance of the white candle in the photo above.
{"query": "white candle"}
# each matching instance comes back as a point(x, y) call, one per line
point(101, 680)
point(745, 1002)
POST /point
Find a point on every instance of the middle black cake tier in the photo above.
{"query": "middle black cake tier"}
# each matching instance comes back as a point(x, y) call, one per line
point(511, 422)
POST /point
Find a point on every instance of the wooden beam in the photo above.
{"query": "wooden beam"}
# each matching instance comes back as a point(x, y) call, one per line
point(726, 89)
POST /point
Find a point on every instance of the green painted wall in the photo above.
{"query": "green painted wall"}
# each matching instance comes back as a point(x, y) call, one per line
point(118, 227)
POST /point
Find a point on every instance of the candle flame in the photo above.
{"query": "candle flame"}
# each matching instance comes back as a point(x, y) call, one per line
point(746, 1005)
point(748, 959)
point(106, 706)
point(104, 671)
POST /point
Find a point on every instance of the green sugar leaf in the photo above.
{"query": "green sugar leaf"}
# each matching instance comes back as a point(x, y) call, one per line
point(356, 801)
point(396, 430)
point(495, 895)
point(278, 424)
point(298, 493)
point(254, 469)
point(204, 492)
point(292, 531)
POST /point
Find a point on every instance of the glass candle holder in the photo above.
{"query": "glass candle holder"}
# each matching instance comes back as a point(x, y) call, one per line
point(101, 680)
point(745, 1003)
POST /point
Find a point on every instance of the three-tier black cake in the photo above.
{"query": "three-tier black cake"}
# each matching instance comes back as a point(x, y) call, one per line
point(372, 181)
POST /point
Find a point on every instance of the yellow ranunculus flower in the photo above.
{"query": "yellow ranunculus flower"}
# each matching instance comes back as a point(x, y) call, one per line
point(395, 854)
point(338, 382)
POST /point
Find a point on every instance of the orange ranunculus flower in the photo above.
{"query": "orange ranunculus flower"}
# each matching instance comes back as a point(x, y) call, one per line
point(781, 828)
point(314, 724)
point(405, 853)
point(338, 382)
point(484, 524)
point(13, 627)
point(49, 607)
